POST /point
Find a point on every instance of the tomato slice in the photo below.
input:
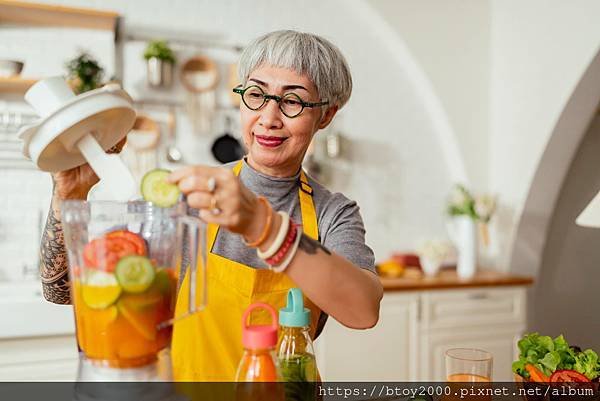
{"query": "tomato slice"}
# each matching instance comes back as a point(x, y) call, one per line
point(104, 253)
point(568, 376)
point(138, 241)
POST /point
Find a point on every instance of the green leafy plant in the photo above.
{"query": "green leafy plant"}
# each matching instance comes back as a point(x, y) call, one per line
point(85, 73)
point(161, 50)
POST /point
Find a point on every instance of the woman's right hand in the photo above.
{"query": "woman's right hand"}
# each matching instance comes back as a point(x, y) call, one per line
point(75, 183)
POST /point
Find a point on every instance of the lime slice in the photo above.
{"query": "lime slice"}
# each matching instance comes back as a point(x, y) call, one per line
point(100, 290)
point(134, 273)
point(157, 190)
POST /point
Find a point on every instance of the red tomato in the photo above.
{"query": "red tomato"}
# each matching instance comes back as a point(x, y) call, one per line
point(104, 253)
point(568, 376)
point(137, 240)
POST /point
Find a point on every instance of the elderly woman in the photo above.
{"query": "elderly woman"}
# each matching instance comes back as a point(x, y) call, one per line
point(272, 227)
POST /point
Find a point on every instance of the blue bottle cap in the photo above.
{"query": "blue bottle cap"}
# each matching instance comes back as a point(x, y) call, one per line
point(294, 314)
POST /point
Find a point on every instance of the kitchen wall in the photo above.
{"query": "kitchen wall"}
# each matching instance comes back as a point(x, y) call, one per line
point(503, 71)
point(540, 50)
point(393, 161)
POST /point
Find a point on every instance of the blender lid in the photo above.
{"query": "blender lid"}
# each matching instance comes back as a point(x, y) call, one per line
point(107, 113)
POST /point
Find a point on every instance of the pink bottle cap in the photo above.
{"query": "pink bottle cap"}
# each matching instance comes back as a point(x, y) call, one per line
point(259, 336)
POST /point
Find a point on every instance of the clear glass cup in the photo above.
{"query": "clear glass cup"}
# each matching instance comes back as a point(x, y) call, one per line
point(124, 268)
point(468, 365)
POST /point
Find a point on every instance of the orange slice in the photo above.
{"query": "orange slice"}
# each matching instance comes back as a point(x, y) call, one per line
point(143, 323)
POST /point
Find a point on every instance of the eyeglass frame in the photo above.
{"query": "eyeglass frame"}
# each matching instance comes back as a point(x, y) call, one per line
point(266, 97)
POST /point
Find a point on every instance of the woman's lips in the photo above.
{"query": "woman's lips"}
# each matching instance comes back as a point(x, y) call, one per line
point(269, 141)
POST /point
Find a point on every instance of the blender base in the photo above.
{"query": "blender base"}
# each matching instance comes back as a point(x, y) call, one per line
point(95, 371)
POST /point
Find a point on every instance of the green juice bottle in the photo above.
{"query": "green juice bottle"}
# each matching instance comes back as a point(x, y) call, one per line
point(295, 352)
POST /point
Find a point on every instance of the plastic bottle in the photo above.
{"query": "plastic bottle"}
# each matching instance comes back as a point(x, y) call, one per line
point(258, 363)
point(295, 352)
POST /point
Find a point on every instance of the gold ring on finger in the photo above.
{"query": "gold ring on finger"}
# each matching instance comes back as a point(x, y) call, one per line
point(214, 207)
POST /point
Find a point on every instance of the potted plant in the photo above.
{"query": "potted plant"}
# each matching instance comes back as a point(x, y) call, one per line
point(466, 211)
point(159, 64)
point(84, 73)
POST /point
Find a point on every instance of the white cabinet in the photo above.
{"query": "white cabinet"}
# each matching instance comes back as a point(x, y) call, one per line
point(416, 328)
point(52, 358)
point(386, 352)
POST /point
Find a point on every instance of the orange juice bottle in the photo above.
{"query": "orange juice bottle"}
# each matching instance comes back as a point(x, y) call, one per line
point(258, 367)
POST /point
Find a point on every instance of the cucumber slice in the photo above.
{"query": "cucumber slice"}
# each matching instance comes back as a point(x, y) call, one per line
point(157, 190)
point(135, 273)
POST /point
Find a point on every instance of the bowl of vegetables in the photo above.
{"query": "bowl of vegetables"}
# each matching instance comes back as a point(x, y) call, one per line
point(556, 367)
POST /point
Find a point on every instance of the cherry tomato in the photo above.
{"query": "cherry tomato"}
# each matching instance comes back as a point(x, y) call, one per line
point(568, 376)
point(104, 253)
point(134, 238)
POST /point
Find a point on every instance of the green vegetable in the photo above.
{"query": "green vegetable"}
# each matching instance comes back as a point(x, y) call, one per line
point(135, 273)
point(156, 188)
point(85, 72)
point(587, 363)
point(550, 355)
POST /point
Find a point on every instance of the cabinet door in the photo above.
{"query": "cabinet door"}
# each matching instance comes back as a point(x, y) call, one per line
point(499, 340)
point(39, 359)
point(386, 352)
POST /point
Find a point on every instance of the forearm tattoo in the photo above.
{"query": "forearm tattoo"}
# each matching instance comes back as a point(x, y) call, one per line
point(53, 261)
point(311, 246)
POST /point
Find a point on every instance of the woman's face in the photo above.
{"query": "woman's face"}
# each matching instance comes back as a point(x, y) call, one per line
point(276, 144)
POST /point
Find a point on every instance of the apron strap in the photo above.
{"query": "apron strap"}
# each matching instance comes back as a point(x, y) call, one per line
point(307, 208)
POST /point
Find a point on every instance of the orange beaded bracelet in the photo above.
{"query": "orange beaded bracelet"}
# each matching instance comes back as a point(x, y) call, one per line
point(266, 229)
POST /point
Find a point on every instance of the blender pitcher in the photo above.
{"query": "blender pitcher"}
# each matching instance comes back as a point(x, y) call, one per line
point(125, 259)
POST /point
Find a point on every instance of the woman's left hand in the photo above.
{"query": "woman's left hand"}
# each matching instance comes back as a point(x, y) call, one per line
point(225, 201)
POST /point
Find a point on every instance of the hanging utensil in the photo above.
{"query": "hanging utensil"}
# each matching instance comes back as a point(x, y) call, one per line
point(200, 76)
point(140, 152)
point(227, 148)
point(173, 154)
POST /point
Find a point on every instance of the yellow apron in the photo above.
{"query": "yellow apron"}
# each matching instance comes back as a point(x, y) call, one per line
point(208, 345)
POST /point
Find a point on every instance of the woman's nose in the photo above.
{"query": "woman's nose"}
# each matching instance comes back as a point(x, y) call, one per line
point(270, 115)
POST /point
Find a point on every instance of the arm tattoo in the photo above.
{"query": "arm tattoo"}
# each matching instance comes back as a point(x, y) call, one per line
point(53, 261)
point(311, 246)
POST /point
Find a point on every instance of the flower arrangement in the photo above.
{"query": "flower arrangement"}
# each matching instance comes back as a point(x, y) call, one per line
point(432, 254)
point(480, 208)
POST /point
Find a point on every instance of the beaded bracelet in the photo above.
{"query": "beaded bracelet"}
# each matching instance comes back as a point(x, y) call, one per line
point(290, 254)
point(279, 239)
point(282, 252)
point(266, 229)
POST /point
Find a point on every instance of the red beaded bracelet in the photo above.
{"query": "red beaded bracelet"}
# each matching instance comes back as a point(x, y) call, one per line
point(285, 247)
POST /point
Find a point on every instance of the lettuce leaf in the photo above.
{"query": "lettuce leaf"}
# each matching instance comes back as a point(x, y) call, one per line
point(587, 363)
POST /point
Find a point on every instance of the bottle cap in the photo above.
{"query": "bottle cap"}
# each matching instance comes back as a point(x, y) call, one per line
point(259, 336)
point(294, 314)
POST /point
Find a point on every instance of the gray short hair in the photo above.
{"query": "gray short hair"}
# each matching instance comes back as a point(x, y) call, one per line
point(306, 54)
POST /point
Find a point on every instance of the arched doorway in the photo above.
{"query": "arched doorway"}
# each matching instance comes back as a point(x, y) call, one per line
point(564, 257)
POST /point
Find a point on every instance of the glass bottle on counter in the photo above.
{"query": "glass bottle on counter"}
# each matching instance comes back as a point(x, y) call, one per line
point(295, 352)
point(258, 363)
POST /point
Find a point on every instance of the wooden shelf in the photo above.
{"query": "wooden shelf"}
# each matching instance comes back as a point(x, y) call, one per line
point(16, 84)
point(19, 12)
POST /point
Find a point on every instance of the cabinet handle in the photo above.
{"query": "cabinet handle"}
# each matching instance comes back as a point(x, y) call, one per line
point(478, 296)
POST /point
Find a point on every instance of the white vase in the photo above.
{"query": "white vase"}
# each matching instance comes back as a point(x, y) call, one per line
point(463, 233)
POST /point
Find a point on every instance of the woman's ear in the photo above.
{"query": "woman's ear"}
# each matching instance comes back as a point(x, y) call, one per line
point(327, 116)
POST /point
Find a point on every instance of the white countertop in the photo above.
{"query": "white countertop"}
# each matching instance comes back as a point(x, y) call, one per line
point(25, 312)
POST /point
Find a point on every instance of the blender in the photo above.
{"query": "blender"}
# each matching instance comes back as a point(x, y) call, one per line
point(125, 256)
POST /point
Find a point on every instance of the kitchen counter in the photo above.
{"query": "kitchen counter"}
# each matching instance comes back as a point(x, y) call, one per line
point(447, 279)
